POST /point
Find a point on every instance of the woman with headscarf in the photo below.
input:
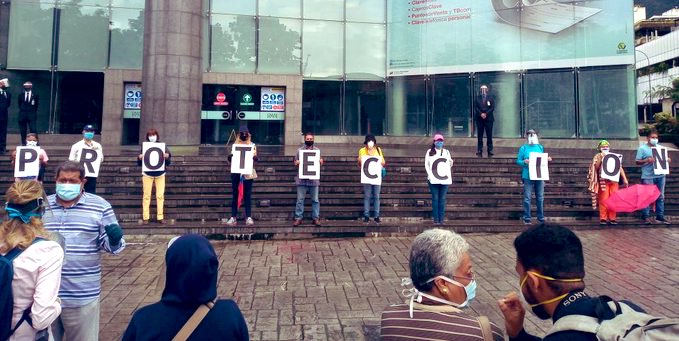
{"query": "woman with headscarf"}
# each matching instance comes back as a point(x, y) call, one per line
point(444, 284)
point(371, 192)
point(36, 262)
point(190, 288)
point(601, 188)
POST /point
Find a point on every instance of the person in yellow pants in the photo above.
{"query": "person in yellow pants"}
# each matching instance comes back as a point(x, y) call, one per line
point(601, 188)
point(153, 177)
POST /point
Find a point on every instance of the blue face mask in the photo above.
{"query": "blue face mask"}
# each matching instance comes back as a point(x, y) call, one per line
point(469, 289)
point(654, 141)
point(438, 144)
point(88, 135)
point(68, 192)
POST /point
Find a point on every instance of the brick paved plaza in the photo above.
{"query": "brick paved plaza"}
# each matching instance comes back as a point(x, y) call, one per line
point(335, 289)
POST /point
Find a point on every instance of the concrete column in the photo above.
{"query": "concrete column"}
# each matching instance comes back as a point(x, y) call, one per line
point(172, 70)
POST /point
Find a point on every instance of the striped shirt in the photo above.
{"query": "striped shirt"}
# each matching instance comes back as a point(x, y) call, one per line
point(432, 322)
point(82, 226)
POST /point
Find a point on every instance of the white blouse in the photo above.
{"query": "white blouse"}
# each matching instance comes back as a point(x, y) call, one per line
point(428, 159)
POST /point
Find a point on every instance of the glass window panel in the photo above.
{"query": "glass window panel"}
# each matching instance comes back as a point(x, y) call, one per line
point(366, 10)
point(41, 86)
point(549, 103)
point(233, 43)
point(545, 50)
point(505, 87)
point(407, 111)
point(324, 9)
point(128, 3)
point(83, 38)
point(364, 107)
point(127, 38)
point(30, 35)
point(321, 107)
point(323, 47)
point(280, 8)
point(607, 111)
point(489, 40)
point(98, 3)
point(244, 7)
point(452, 105)
point(366, 51)
point(279, 46)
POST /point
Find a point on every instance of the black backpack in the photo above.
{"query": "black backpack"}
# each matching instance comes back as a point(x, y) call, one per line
point(6, 298)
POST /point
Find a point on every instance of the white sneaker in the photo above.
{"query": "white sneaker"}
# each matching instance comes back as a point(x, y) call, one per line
point(232, 221)
point(249, 221)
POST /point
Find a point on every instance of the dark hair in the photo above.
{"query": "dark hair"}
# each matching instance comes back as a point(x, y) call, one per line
point(551, 249)
point(71, 166)
point(653, 131)
point(34, 135)
point(368, 138)
point(432, 150)
point(152, 132)
point(308, 133)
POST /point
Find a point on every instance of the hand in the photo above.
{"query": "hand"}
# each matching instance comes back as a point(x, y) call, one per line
point(115, 234)
point(526, 161)
point(167, 155)
point(514, 313)
point(296, 162)
point(483, 115)
point(549, 159)
point(140, 156)
point(650, 159)
point(626, 184)
point(322, 162)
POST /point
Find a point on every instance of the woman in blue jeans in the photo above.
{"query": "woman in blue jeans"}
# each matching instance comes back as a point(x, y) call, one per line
point(438, 191)
point(371, 192)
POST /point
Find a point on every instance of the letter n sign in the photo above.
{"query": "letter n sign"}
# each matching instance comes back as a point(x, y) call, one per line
point(661, 166)
point(153, 157)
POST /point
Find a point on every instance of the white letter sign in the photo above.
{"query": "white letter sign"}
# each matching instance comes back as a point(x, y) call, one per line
point(661, 166)
point(440, 172)
point(27, 162)
point(537, 166)
point(371, 170)
point(242, 158)
point(309, 164)
point(610, 167)
point(91, 160)
point(153, 159)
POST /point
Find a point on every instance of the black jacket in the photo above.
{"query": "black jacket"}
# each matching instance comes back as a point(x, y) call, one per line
point(29, 106)
point(487, 106)
point(5, 102)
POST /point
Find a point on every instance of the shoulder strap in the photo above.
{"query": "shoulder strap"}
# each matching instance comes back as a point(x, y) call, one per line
point(582, 323)
point(193, 322)
point(486, 330)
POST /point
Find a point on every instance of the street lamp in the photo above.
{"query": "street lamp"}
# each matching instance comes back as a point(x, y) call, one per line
point(648, 62)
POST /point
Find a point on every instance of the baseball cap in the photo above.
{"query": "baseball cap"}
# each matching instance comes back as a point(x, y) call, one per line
point(438, 137)
point(88, 127)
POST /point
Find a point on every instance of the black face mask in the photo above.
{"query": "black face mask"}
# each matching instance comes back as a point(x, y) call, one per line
point(309, 143)
point(243, 136)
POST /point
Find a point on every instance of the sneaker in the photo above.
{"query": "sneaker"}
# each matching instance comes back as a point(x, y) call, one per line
point(232, 221)
point(490, 154)
point(479, 154)
point(160, 221)
point(317, 222)
point(377, 220)
point(663, 221)
point(366, 220)
point(526, 222)
point(602, 222)
point(249, 221)
point(145, 222)
point(648, 221)
point(613, 222)
point(297, 222)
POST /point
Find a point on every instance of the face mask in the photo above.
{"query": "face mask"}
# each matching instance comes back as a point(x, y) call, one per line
point(469, 290)
point(309, 143)
point(532, 139)
point(68, 192)
point(153, 138)
point(538, 307)
point(438, 144)
point(371, 144)
point(31, 143)
point(654, 141)
point(243, 136)
point(605, 150)
point(88, 135)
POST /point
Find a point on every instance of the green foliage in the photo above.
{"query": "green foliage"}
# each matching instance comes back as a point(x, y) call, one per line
point(665, 123)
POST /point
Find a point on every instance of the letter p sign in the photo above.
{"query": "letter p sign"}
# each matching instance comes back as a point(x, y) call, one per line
point(27, 163)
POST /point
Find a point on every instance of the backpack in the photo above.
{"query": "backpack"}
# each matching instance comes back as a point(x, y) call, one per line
point(617, 321)
point(6, 298)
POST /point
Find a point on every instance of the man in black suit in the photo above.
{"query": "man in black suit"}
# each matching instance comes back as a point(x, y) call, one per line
point(484, 105)
point(5, 102)
point(28, 111)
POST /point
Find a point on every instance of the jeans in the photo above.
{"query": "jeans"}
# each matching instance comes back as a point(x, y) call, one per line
point(371, 192)
point(660, 203)
point(247, 195)
point(481, 127)
point(77, 324)
point(438, 201)
point(147, 182)
point(302, 190)
point(528, 187)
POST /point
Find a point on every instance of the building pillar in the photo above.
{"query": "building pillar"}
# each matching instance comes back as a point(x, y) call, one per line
point(172, 70)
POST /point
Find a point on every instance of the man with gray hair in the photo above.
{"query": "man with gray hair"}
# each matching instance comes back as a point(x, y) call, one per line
point(441, 273)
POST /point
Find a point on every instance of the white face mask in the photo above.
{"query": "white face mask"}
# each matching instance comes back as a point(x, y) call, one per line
point(533, 139)
point(31, 143)
point(371, 144)
point(605, 150)
point(153, 138)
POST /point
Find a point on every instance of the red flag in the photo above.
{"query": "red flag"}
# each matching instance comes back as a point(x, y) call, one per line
point(240, 192)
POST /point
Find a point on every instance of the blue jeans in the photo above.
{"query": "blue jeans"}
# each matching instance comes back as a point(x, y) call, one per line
point(371, 192)
point(528, 187)
point(302, 190)
point(660, 203)
point(438, 201)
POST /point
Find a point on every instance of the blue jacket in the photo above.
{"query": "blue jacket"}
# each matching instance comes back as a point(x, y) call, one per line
point(524, 154)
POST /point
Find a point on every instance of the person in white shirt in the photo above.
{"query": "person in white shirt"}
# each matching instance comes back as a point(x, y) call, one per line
point(438, 191)
point(76, 152)
point(37, 268)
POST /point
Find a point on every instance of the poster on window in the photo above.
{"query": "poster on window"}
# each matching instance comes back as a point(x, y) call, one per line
point(273, 99)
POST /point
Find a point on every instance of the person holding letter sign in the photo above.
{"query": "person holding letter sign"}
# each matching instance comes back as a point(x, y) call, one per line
point(308, 158)
point(654, 164)
point(90, 154)
point(243, 155)
point(153, 171)
point(32, 142)
point(604, 175)
point(371, 192)
point(437, 163)
point(530, 186)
